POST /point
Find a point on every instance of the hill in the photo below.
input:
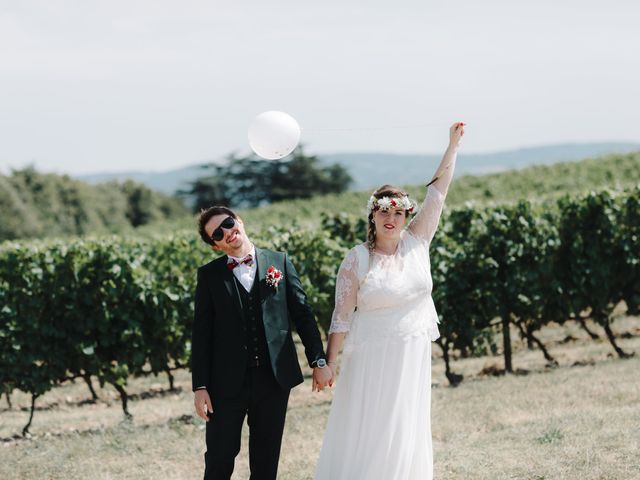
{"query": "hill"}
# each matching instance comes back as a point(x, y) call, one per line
point(371, 169)
point(34, 204)
point(540, 182)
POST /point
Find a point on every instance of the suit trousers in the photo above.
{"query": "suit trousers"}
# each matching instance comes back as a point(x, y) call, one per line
point(264, 402)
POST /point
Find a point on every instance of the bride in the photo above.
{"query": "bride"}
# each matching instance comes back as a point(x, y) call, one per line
point(379, 427)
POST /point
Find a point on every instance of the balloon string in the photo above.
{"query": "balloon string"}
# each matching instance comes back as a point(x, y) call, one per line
point(352, 129)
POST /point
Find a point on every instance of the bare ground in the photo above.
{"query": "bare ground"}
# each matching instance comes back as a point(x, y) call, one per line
point(580, 420)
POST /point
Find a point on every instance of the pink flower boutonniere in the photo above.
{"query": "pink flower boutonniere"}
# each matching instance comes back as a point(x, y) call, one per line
point(273, 276)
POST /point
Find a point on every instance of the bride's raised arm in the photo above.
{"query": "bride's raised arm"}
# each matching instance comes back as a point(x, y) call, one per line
point(425, 223)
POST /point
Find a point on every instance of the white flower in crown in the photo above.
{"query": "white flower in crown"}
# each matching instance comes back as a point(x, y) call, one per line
point(408, 204)
point(371, 203)
point(385, 203)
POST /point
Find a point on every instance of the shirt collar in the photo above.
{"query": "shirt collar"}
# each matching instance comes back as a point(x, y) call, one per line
point(252, 253)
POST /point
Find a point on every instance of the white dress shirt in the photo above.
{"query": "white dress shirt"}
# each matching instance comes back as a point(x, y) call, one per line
point(244, 273)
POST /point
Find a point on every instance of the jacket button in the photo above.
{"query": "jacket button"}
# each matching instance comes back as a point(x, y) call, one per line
point(244, 346)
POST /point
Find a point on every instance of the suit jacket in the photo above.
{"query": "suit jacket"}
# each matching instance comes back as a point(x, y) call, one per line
point(219, 349)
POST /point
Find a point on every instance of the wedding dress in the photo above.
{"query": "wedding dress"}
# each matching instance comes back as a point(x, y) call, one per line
point(379, 426)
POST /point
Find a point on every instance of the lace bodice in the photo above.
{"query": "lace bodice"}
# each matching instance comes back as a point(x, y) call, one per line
point(381, 283)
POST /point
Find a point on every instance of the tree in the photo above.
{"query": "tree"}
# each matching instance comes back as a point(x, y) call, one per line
point(206, 191)
point(36, 204)
point(144, 206)
point(251, 181)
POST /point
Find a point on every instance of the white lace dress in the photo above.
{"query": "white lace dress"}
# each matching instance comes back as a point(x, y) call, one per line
point(379, 427)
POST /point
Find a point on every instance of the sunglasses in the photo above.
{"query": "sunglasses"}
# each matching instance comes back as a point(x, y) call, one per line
point(218, 234)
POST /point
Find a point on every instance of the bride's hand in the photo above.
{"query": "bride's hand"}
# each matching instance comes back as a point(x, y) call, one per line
point(333, 374)
point(455, 134)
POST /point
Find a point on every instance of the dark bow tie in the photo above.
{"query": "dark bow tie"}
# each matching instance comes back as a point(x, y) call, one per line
point(232, 263)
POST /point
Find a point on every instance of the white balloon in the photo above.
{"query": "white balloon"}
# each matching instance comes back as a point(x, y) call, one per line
point(273, 134)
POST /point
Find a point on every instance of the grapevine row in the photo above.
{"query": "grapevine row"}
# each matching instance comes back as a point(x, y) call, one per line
point(114, 307)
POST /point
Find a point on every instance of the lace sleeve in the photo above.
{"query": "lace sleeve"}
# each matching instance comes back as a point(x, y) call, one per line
point(347, 285)
point(425, 223)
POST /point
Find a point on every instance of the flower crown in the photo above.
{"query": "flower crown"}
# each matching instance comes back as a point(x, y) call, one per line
point(385, 203)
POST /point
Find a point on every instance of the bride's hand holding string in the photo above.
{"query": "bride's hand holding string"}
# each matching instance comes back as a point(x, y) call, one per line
point(456, 132)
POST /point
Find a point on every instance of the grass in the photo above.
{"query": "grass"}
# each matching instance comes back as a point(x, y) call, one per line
point(578, 421)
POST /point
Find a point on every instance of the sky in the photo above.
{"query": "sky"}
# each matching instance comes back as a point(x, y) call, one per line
point(99, 86)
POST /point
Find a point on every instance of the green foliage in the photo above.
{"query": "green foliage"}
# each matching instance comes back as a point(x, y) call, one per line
point(597, 257)
point(628, 242)
point(41, 205)
point(538, 184)
point(551, 436)
point(145, 206)
point(252, 181)
point(117, 306)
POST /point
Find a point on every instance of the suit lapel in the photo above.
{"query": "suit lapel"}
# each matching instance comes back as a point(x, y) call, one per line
point(261, 273)
point(265, 292)
point(230, 285)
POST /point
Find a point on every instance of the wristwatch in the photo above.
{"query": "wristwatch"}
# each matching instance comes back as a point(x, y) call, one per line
point(321, 363)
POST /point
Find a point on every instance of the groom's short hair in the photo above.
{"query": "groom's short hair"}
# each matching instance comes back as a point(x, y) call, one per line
point(205, 216)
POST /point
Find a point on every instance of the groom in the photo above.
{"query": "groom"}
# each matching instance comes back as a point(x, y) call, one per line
point(244, 361)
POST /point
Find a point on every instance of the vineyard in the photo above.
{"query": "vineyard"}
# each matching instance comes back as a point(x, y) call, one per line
point(112, 308)
point(537, 183)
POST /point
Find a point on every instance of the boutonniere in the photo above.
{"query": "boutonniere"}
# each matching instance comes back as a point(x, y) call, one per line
point(273, 276)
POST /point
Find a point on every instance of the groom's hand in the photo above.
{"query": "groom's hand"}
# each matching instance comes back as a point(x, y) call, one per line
point(321, 378)
point(202, 402)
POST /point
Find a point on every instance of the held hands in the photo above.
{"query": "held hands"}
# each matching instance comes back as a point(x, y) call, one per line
point(202, 402)
point(455, 134)
point(322, 378)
